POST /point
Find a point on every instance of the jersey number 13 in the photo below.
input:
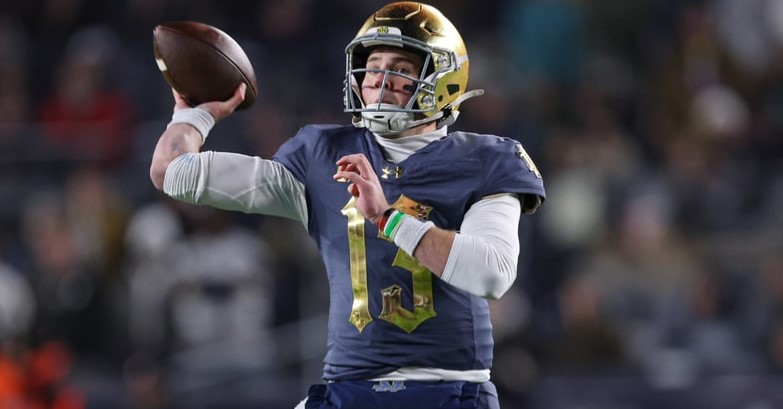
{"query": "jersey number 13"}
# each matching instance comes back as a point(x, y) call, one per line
point(392, 310)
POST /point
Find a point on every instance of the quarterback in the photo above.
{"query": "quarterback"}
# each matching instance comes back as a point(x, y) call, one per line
point(417, 226)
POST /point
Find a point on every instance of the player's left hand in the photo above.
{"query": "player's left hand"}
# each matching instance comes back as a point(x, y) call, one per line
point(363, 185)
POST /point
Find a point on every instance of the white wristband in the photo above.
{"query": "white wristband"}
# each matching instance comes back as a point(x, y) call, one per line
point(195, 117)
point(409, 232)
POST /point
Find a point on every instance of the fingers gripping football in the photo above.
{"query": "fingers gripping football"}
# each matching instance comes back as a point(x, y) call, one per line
point(218, 109)
point(363, 185)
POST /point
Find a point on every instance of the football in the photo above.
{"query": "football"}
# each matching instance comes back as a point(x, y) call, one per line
point(203, 63)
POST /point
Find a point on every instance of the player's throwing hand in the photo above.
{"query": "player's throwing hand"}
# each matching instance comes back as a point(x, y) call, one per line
point(364, 185)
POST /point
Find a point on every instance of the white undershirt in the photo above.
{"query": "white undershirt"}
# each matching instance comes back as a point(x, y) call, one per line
point(397, 150)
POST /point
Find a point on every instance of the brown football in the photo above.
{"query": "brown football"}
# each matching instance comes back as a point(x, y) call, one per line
point(202, 62)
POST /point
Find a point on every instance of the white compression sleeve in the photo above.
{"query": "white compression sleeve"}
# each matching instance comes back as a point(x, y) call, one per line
point(236, 182)
point(483, 258)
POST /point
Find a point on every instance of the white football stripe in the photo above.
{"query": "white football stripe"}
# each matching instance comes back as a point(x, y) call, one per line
point(161, 64)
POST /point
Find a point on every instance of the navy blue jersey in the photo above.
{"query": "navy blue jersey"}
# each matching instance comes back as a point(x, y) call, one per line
point(387, 311)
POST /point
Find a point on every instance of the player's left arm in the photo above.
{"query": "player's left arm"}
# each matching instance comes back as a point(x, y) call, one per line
point(482, 257)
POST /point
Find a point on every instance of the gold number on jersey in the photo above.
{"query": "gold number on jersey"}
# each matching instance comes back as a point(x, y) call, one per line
point(360, 312)
point(392, 311)
point(422, 296)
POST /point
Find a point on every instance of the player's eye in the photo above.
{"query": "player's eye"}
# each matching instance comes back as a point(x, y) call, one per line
point(403, 70)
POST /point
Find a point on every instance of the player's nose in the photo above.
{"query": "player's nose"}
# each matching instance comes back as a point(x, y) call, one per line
point(380, 80)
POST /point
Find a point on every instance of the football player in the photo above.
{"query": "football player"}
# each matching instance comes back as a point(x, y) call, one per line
point(417, 226)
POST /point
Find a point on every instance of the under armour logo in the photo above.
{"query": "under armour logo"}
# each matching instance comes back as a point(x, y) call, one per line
point(397, 172)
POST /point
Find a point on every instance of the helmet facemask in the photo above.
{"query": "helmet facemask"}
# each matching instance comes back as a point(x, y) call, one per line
point(384, 118)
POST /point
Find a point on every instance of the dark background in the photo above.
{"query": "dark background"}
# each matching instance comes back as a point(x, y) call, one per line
point(652, 276)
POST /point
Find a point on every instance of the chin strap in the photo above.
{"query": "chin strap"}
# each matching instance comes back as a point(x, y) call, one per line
point(384, 119)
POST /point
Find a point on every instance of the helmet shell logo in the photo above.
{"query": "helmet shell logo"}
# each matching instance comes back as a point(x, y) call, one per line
point(383, 30)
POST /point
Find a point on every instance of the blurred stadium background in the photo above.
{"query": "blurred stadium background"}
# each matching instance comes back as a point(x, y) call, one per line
point(652, 277)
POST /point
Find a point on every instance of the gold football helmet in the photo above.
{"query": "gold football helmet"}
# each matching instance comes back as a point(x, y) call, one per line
point(439, 88)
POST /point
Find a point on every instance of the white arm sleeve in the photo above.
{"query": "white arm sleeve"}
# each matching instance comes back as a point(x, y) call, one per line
point(232, 181)
point(483, 258)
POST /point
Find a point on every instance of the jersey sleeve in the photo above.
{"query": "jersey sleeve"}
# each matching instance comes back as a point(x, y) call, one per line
point(296, 153)
point(509, 169)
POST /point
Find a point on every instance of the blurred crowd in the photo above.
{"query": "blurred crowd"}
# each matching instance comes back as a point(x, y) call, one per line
point(652, 277)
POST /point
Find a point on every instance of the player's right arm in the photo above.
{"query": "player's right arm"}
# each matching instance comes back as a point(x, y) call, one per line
point(223, 180)
point(180, 138)
point(237, 182)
